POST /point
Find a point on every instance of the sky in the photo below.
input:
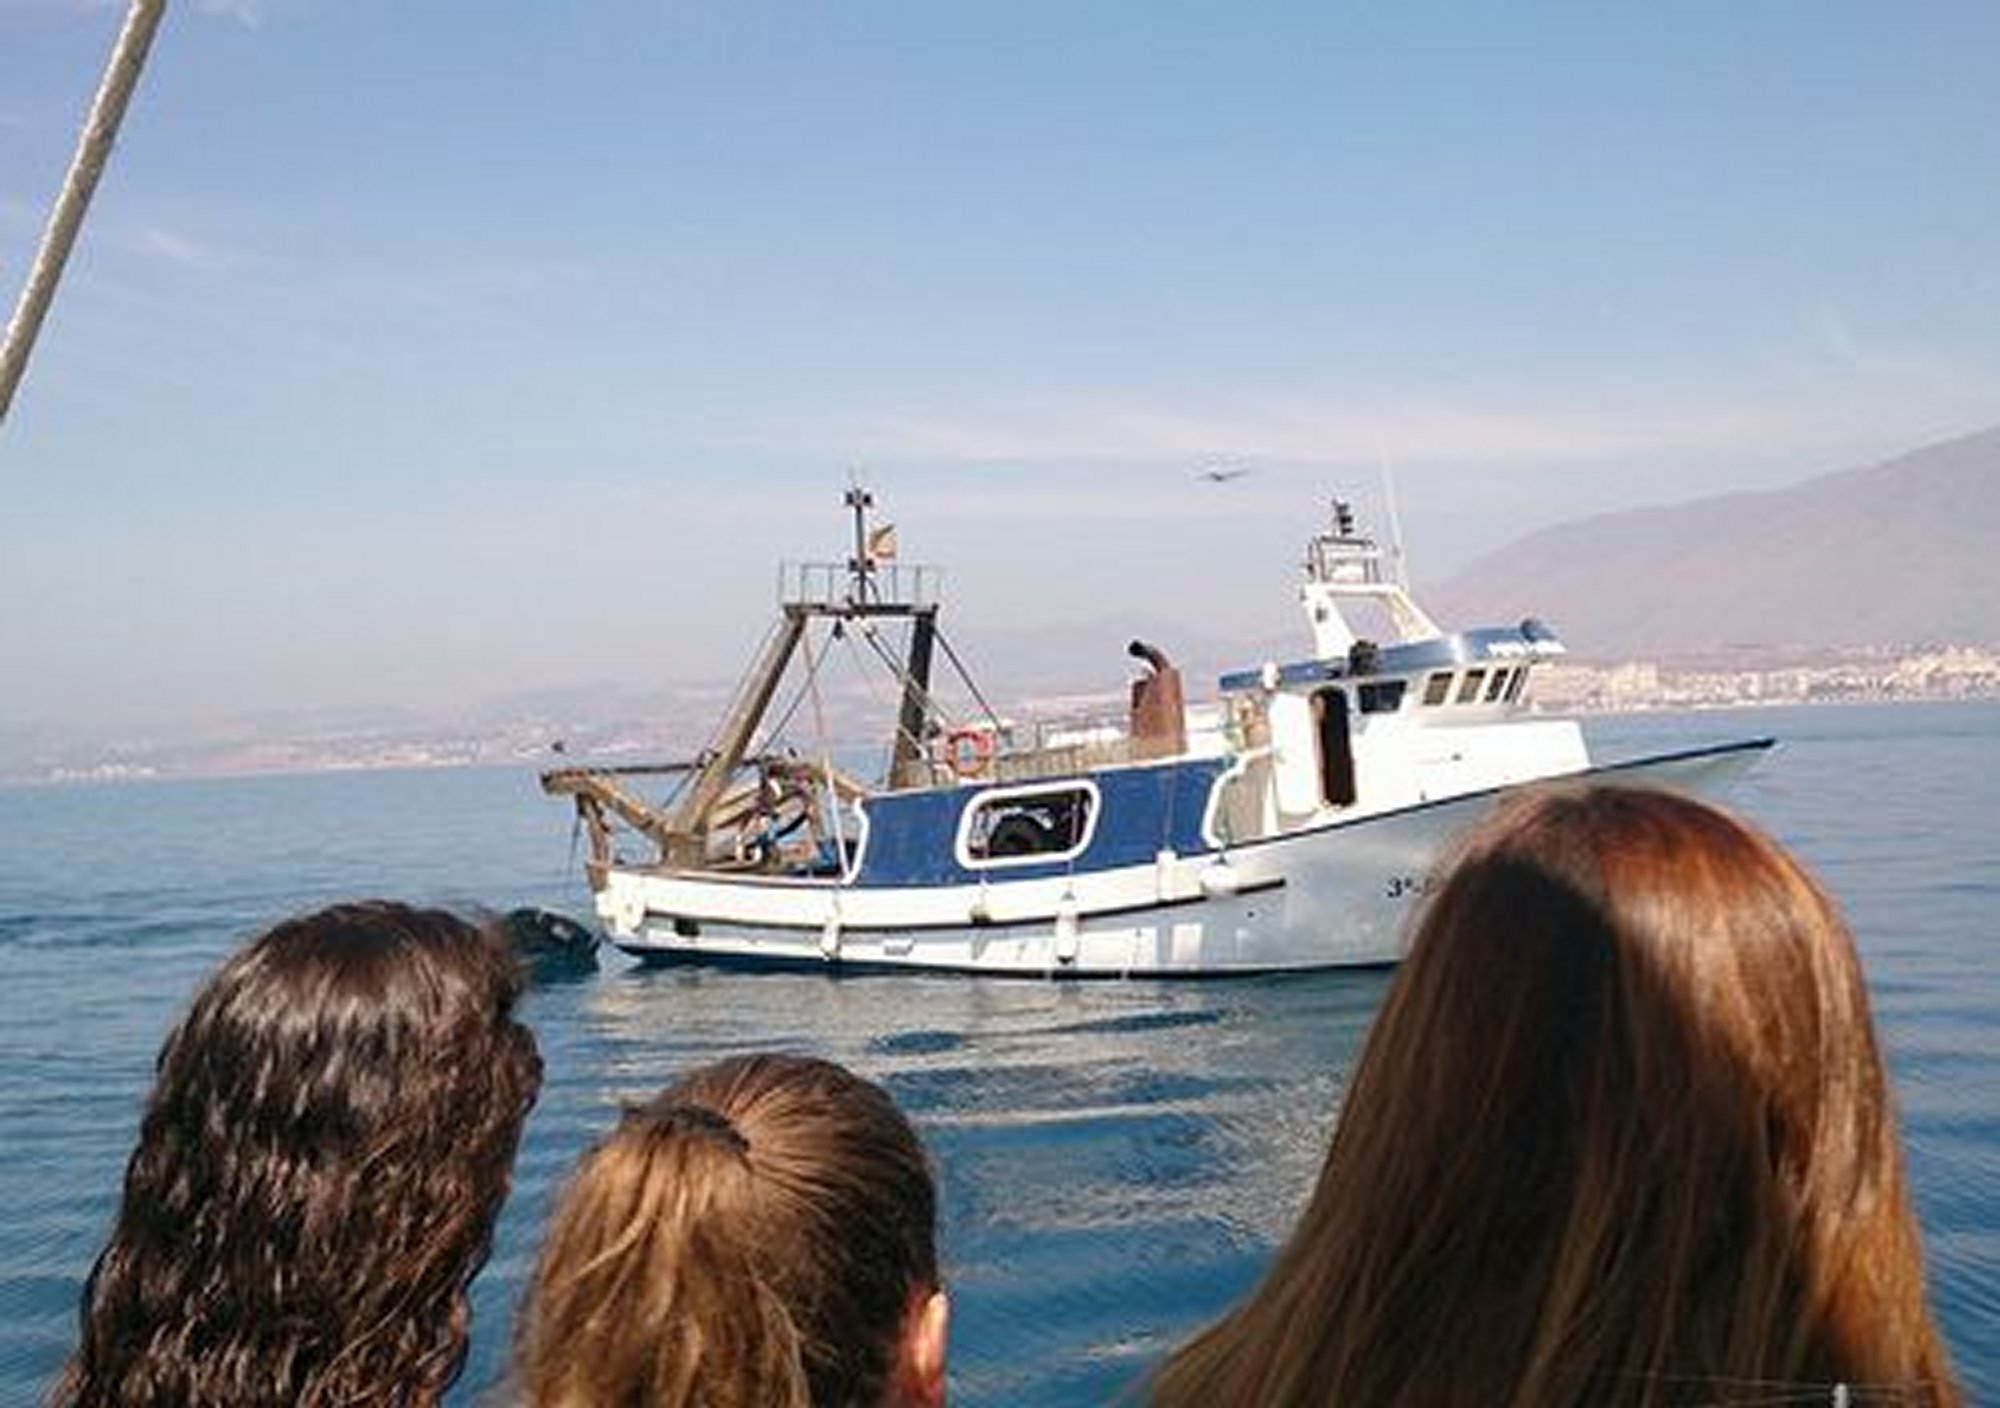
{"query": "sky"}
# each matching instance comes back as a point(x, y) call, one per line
point(423, 355)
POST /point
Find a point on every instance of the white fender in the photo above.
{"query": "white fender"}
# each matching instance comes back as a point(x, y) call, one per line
point(621, 908)
point(1068, 928)
point(1220, 878)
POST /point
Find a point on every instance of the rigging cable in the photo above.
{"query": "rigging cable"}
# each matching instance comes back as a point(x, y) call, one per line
point(907, 681)
point(772, 733)
point(93, 150)
point(966, 678)
point(826, 761)
point(742, 686)
point(875, 699)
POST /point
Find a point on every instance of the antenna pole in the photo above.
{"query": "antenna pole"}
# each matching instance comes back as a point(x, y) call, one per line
point(93, 150)
point(859, 500)
point(1395, 520)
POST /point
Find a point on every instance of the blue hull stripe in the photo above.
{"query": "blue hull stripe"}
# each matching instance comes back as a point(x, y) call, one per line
point(1143, 810)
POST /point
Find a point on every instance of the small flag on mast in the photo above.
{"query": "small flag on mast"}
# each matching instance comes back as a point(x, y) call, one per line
point(882, 543)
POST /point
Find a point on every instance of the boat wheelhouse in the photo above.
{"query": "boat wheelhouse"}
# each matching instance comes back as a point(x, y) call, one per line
point(1290, 823)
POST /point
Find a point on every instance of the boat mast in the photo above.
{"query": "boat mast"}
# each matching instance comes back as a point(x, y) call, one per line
point(861, 566)
point(1399, 561)
point(871, 546)
point(93, 150)
point(809, 593)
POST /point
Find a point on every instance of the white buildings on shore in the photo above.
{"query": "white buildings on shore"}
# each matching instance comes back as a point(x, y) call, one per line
point(1944, 672)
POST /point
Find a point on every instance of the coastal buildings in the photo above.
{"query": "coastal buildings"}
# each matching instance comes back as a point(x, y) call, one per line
point(1859, 676)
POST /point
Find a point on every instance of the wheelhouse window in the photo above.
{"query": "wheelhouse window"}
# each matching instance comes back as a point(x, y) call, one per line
point(1380, 696)
point(1437, 689)
point(1468, 687)
point(1498, 685)
point(1520, 679)
point(1045, 823)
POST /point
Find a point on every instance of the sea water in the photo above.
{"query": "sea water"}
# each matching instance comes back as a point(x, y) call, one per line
point(1118, 1158)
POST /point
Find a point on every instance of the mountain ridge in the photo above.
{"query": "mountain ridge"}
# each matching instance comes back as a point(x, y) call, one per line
point(1901, 552)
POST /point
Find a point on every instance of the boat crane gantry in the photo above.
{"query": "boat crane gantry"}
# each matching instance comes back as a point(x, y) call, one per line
point(869, 586)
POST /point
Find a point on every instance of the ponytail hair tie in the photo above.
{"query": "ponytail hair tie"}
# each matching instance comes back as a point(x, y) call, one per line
point(681, 1118)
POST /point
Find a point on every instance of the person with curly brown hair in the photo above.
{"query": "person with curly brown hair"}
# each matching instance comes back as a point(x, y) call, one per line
point(326, 1148)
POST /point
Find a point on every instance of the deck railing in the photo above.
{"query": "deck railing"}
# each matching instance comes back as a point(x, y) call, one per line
point(830, 586)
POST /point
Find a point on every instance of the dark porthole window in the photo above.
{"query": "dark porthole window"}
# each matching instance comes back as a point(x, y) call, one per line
point(1437, 689)
point(1049, 822)
point(1468, 688)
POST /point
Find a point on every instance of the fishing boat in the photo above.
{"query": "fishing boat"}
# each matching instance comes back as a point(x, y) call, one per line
point(1291, 822)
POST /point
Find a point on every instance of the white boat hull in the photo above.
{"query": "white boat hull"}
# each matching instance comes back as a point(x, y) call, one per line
point(1333, 895)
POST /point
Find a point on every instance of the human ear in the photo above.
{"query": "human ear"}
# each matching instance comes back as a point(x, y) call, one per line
point(920, 1357)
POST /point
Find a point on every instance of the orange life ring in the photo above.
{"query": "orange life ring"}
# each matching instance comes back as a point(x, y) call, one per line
point(968, 752)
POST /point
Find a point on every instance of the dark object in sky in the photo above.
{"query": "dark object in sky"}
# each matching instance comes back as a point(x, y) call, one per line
point(1222, 475)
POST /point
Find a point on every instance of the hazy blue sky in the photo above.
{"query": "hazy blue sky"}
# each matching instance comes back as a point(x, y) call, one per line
point(423, 352)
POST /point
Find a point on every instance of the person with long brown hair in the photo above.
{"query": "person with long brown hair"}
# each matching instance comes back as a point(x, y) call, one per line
point(760, 1235)
point(1620, 1135)
point(325, 1151)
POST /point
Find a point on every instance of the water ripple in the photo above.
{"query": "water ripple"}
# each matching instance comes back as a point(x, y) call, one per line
point(1116, 1160)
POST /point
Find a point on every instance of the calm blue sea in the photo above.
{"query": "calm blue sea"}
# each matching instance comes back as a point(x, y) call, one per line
point(1118, 1158)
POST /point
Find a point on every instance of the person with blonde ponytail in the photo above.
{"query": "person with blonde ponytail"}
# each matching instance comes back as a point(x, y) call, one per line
point(760, 1235)
point(1620, 1136)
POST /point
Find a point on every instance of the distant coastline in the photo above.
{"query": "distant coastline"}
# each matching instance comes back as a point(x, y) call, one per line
point(1724, 680)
